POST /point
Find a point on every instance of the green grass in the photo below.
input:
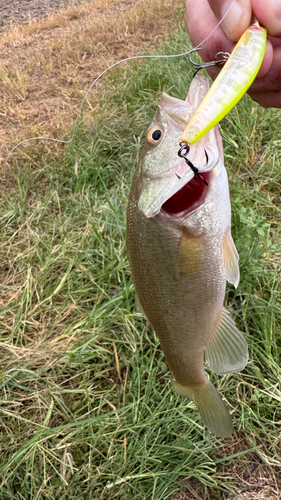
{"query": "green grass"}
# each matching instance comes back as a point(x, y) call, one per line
point(87, 409)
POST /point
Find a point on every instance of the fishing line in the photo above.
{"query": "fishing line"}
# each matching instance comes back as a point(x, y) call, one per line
point(216, 27)
point(198, 47)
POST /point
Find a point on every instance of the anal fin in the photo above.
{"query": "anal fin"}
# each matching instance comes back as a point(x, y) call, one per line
point(228, 350)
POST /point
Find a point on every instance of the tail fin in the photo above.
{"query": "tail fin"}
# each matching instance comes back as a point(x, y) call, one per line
point(211, 407)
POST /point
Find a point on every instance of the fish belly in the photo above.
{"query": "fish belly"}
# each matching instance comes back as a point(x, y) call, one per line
point(179, 285)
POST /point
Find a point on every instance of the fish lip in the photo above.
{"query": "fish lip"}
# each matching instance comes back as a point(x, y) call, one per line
point(178, 169)
point(179, 166)
point(151, 206)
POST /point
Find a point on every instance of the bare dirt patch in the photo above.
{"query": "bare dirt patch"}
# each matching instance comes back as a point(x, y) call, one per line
point(23, 11)
point(261, 485)
point(249, 476)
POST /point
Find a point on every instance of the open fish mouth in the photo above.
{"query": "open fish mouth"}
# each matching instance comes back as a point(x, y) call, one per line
point(180, 191)
point(156, 191)
point(190, 197)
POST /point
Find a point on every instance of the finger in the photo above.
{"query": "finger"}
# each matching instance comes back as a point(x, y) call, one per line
point(276, 42)
point(267, 99)
point(200, 22)
point(267, 60)
point(271, 80)
point(268, 12)
point(237, 19)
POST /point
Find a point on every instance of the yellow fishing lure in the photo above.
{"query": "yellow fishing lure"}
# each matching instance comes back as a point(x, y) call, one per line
point(230, 85)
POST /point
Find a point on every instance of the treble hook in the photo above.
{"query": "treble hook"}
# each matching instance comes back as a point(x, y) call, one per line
point(217, 62)
point(186, 148)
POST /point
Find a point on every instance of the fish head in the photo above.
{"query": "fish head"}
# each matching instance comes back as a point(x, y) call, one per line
point(162, 171)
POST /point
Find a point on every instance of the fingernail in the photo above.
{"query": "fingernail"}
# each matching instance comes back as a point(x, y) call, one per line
point(276, 7)
point(234, 13)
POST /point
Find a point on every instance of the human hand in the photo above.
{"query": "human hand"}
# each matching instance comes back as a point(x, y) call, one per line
point(202, 16)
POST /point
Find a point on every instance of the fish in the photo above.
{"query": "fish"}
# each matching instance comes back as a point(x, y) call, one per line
point(231, 84)
point(181, 254)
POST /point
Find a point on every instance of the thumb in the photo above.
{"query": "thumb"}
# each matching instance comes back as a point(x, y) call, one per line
point(238, 16)
point(269, 14)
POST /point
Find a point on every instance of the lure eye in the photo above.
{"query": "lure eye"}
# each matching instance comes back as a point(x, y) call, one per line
point(154, 135)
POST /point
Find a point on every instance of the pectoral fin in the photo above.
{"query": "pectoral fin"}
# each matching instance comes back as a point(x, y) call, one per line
point(228, 350)
point(190, 254)
point(230, 260)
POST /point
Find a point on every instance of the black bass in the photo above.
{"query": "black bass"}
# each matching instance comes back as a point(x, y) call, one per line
point(181, 253)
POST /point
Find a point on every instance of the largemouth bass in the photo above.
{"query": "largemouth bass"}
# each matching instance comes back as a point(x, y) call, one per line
point(181, 253)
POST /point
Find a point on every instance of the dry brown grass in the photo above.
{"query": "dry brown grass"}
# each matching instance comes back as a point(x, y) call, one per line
point(47, 66)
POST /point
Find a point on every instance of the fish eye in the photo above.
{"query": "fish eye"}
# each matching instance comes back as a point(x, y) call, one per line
point(154, 135)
